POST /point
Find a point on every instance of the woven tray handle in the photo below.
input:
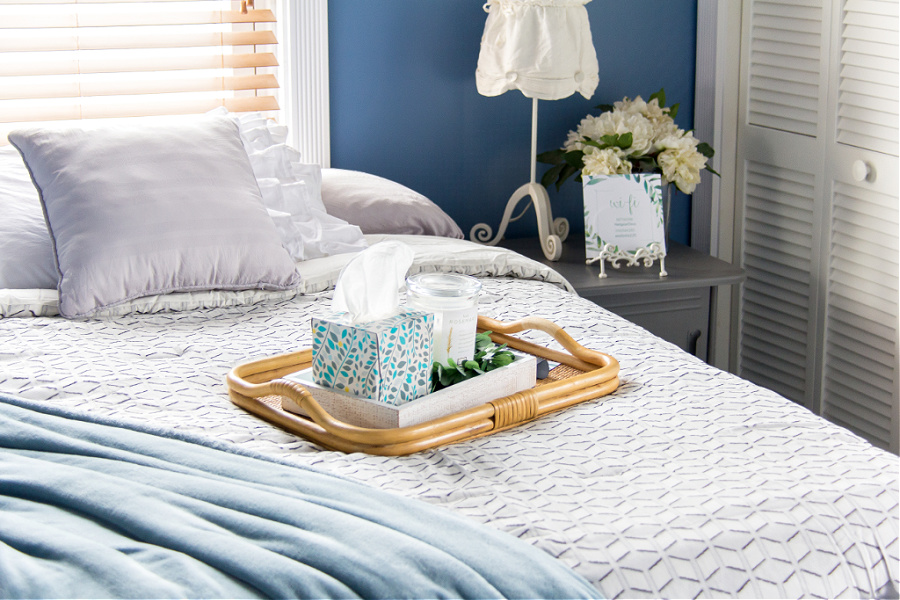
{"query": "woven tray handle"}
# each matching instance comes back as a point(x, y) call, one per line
point(579, 357)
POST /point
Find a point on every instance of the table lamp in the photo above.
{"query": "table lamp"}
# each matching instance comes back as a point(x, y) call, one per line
point(544, 49)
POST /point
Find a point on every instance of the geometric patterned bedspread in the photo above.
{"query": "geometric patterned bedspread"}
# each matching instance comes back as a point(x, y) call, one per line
point(686, 482)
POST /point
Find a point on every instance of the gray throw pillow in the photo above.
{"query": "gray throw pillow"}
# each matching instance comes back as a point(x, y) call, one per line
point(143, 209)
point(379, 205)
point(26, 255)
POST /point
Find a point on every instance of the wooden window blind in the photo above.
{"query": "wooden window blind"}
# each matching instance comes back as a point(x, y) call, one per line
point(90, 59)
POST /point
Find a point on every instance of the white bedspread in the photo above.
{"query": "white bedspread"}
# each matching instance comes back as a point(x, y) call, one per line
point(686, 482)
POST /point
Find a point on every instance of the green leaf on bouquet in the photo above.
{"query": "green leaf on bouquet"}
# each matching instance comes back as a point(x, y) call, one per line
point(575, 158)
point(706, 150)
point(552, 175)
point(615, 140)
point(552, 157)
point(565, 164)
point(567, 172)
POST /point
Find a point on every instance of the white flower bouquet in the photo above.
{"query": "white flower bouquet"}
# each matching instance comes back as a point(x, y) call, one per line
point(631, 136)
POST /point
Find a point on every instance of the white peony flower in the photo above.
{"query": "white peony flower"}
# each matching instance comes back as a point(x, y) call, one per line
point(643, 134)
point(636, 106)
point(662, 130)
point(609, 161)
point(656, 114)
point(573, 142)
point(680, 161)
point(649, 110)
point(596, 127)
point(679, 139)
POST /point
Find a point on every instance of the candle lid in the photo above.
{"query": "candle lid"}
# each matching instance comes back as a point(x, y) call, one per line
point(443, 285)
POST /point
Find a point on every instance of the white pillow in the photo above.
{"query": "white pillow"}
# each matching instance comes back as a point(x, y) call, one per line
point(26, 256)
point(138, 209)
point(379, 205)
point(292, 188)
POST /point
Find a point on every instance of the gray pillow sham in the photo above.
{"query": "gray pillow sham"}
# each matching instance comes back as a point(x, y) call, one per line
point(139, 209)
point(379, 205)
point(26, 255)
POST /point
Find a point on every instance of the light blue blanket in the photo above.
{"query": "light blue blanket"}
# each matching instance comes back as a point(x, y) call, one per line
point(88, 509)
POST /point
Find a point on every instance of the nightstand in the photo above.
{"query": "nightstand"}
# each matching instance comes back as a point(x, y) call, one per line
point(676, 308)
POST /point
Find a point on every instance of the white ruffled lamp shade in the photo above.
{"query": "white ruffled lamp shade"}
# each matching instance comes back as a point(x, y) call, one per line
point(544, 49)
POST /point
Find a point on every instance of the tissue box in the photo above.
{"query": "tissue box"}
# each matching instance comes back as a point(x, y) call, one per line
point(388, 360)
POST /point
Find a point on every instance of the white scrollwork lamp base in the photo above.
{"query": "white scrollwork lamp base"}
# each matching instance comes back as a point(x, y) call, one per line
point(551, 231)
point(646, 255)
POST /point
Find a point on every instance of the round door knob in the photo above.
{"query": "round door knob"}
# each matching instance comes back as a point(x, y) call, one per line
point(862, 171)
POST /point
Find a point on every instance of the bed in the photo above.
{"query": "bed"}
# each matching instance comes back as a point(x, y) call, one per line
point(686, 482)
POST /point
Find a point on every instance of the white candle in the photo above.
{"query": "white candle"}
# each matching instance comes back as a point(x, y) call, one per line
point(453, 299)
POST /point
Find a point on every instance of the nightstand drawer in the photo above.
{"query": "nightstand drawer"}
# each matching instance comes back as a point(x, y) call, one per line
point(678, 316)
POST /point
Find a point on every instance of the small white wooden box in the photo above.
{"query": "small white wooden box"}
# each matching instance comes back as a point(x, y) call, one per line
point(363, 412)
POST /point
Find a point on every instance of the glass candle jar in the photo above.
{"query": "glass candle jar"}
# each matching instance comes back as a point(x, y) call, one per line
point(454, 301)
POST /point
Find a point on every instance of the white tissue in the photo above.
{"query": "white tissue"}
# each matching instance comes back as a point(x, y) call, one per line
point(368, 288)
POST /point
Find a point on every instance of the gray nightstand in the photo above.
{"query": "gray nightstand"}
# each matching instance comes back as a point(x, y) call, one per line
point(676, 308)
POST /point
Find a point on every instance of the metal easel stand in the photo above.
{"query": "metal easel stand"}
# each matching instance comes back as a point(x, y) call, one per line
point(552, 232)
point(647, 255)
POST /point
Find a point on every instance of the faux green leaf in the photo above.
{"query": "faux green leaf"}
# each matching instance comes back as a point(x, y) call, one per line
point(706, 150)
point(626, 140)
point(612, 140)
point(502, 359)
point(552, 175)
point(575, 158)
point(483, 340)
point(551, 157)
point(567, 172)
point(488, 356)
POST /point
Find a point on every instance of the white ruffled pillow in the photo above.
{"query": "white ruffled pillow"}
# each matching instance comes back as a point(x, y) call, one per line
point(292, 191)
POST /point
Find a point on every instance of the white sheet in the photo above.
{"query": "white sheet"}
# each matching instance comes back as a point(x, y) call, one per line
point(686, 482)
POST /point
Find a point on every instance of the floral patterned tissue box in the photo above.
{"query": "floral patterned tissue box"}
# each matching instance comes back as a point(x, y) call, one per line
point(388, 360)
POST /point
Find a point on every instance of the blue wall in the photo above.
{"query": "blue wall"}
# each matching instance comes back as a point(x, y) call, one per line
point(404, 103)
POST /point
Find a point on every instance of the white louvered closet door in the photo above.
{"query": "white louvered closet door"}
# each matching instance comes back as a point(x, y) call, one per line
point(819, 230)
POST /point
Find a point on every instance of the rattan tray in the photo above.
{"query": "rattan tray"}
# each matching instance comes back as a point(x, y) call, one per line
point(582, 375)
